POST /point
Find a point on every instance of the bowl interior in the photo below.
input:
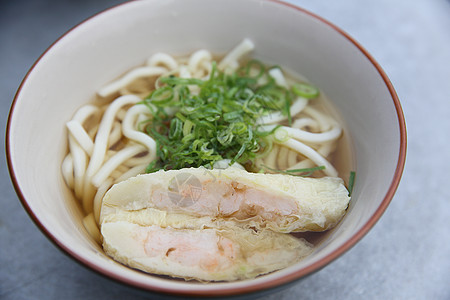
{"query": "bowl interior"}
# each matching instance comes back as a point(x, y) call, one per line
point(100, 49)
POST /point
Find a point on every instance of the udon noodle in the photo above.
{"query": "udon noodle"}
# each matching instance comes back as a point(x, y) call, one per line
point(107, 145)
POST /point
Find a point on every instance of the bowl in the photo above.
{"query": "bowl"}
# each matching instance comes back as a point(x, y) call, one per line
point(101, 48)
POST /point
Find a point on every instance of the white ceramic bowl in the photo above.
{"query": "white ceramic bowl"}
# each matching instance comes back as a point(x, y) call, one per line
point(68, 74)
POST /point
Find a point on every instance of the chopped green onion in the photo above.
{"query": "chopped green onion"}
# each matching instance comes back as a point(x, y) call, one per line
point(175, 129)
point(234, 115)
point(249, 68)
point(187, 127)
point(351, 182)
point(281, 135)
point(183, 81)
point(305, 90)
point(287, 107)
point(162, 95)
point(218, 121)
point(305, 171)
point(181, 117)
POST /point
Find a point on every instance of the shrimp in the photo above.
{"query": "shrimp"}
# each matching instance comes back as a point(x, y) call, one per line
point(280, 202)
point(196, 248)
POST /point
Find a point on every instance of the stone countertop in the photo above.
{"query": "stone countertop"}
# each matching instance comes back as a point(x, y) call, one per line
point(405, 256)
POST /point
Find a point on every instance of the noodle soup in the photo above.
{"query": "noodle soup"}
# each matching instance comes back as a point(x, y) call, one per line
point(283, 125)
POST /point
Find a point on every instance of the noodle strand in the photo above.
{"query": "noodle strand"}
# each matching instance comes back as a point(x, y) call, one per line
point(312, 155)
point(130, 77)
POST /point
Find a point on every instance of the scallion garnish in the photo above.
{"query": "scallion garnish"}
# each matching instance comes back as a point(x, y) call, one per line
point(298, 172)
point(351, 182)
point(217, 121)
point(305, 90)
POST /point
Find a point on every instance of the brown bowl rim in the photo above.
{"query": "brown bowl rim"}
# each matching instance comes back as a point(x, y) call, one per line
point(227, 291)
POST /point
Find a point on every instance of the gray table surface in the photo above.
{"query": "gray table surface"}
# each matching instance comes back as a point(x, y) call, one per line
point(405, 256)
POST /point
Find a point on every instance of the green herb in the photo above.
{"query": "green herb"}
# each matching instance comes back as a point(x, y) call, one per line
point(303, 172)
point(351, 182)
point(305, 90)
point(217, 121)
